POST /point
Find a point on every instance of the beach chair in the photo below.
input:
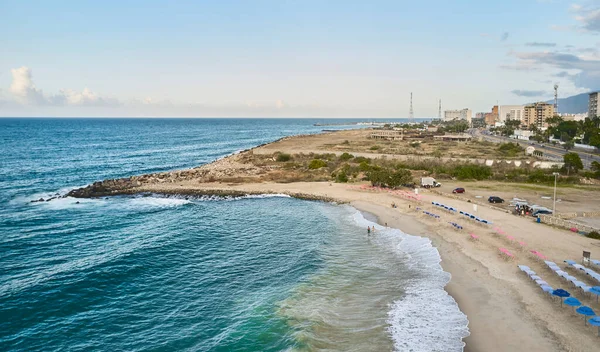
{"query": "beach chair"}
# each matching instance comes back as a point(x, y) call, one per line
point(473, 237)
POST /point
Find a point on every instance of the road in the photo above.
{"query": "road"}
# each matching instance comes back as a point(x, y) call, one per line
point(551, 152)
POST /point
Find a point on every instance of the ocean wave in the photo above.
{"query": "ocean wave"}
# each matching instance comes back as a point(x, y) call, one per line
point(426, 318)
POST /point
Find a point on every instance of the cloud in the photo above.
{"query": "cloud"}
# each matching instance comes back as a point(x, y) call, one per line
point(588, 18)
point(521, 66)
point(504, 36)
point(588, 69)
point(83, 98)
point(25, 92)
point(529, 93)
point(538, 44)
point(23, 89)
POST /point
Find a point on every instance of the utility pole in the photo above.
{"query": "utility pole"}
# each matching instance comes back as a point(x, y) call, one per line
point(440, 110)
point(554, 198)
point(411, 113)
point(556, 99)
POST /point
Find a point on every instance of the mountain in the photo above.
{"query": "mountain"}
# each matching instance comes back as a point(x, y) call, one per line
point(575, 104)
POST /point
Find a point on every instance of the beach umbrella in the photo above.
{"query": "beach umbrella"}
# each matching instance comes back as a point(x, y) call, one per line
point(595, 290)
point(572, 301)
point(595, 321)
point(586, 312)
point(570, 262)
point(560, 293)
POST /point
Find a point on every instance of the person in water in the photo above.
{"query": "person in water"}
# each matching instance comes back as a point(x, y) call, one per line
point(368, 230)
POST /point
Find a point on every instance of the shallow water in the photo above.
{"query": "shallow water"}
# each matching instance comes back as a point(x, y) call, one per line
point(200, 274)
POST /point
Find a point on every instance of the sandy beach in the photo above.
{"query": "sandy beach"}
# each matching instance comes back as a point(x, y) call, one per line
point(506, 310)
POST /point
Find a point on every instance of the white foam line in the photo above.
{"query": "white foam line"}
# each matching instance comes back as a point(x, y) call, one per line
point(426, 318)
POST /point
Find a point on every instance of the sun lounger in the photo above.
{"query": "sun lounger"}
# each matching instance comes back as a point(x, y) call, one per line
point(474, 237)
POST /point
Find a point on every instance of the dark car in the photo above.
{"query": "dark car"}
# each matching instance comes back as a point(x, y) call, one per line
point(458, 190)
point(494, 199)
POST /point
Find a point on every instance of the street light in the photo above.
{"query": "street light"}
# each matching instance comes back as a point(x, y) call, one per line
point(554, 198)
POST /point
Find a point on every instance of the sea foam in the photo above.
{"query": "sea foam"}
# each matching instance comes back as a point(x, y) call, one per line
point(426, 318)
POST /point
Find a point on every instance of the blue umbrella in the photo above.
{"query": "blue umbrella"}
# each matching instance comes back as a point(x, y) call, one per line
point(560, 293)
point(586, 312)
point(595, 321)
point(595, 290)
point(572, 301)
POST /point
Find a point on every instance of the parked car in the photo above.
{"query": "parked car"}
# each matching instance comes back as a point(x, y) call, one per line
point(494, 199)
point(458, 190)
point(535, 213)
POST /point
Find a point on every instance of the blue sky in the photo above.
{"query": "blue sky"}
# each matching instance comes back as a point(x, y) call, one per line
point(291, 58)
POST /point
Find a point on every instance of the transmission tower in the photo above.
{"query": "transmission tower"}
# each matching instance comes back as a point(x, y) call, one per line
point(556, 99)
point(411, 113)
point(440, 110)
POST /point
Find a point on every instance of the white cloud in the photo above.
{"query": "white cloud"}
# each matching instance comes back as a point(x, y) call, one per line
point(23, 89)
point(25, 92)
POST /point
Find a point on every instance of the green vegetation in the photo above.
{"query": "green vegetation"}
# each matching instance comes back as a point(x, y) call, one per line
point(346, 157)
point(594, 234)
point(375, 147)
point(341, 177)
point(454, 126)
point(472, 172)
point(510, 149)
point(572, 162)
point(282, 157)
point(317, 164)
point(383, 177)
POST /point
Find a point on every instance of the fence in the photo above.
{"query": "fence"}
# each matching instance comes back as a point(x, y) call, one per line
point(566, 223)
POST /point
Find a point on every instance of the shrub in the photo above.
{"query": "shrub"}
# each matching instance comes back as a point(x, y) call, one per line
point(375, 147)
point(346, 157)
point(283, 157)
point(510, 149)
point(594, 234)
point(316, 164)
point(346, 142)
point(361, 159)
point(472, 172)
point(341, 177)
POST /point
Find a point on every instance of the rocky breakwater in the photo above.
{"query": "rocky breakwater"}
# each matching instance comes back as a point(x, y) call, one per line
point(238, 165)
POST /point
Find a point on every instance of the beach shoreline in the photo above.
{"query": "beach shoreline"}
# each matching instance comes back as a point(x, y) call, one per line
point(506, 311)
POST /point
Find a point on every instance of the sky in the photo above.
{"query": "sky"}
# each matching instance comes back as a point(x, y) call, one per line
point(291, 58)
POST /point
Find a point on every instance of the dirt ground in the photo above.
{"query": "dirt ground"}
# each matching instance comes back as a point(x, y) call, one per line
point(569, 198)
point(358, 141)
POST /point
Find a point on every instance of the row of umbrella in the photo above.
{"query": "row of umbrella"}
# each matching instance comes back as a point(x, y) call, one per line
point(585, 311)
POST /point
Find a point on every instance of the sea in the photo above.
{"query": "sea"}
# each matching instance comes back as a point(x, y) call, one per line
point(167, 273)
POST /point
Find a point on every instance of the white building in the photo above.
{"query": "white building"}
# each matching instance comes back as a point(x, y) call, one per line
point(522, 134)
point(464, 114)
point(510, 112)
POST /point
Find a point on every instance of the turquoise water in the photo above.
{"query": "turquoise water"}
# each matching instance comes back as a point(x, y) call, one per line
point(197, 274)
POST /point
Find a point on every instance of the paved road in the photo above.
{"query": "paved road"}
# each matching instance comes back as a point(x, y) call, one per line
point(550, 152)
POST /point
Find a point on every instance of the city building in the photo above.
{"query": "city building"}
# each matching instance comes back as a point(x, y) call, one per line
point(537, 114)
point(464, 114)
point(510, 112)
point(573, 117)
point(593, 107)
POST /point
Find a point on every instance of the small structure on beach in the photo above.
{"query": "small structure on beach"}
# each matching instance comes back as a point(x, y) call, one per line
point(459, 137)
point(392, 135)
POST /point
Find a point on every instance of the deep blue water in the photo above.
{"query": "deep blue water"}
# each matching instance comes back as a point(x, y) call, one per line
point(170, 274)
